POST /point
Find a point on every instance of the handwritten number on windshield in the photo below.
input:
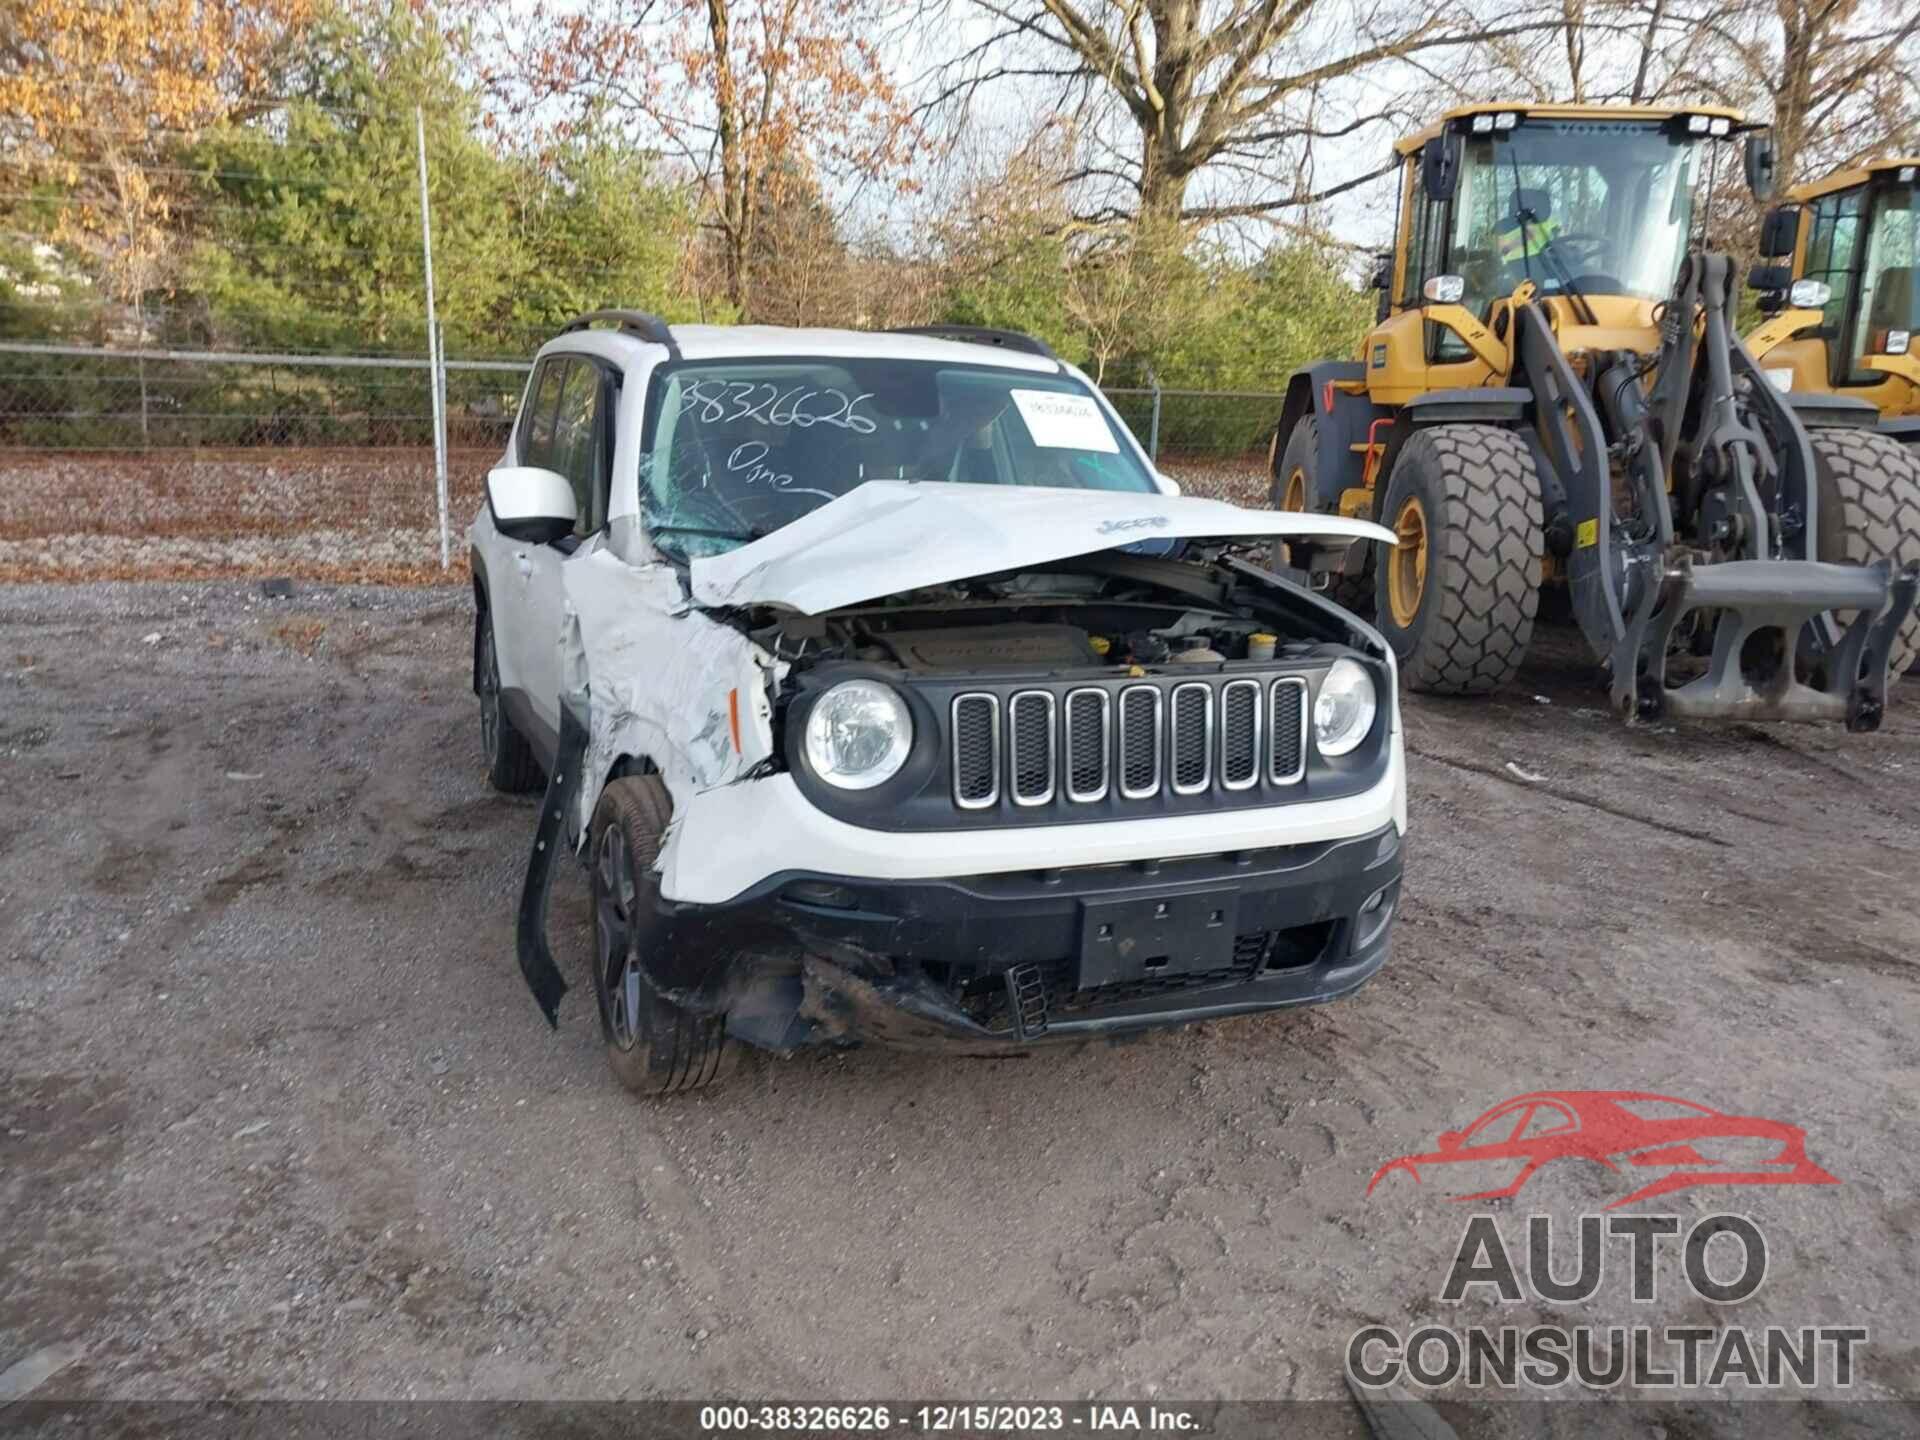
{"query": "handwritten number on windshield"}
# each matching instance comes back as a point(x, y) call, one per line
point(716, 402)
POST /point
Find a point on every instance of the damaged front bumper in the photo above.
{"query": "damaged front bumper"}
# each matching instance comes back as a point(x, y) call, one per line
point(1007, 958)
point(993, 962)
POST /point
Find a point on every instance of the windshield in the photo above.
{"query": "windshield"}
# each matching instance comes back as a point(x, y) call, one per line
point(1603, 205)
point(1889, 298)
point(740, 448)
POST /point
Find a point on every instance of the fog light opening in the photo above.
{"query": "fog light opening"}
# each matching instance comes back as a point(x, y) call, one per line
point(1374, 915)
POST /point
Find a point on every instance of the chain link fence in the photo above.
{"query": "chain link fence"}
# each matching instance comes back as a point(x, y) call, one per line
point(173, 463)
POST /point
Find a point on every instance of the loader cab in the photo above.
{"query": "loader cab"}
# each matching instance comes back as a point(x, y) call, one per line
point(1593, 207)
point(1851, 246)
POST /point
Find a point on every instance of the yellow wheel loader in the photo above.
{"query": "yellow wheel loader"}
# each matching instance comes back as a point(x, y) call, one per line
point(1840, 289)
point(1554, 395)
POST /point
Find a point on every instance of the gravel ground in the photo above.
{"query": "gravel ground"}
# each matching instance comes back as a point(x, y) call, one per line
point(280, 1118)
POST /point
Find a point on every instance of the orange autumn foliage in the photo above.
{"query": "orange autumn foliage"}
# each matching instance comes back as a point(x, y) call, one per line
point(94, 94)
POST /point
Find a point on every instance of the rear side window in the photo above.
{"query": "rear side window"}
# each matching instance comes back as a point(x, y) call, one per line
point(536, 445)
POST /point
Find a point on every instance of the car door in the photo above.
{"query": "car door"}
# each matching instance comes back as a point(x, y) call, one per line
point(582, 450)
point(509, 562)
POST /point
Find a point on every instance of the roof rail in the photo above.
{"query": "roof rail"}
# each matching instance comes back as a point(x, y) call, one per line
point(633, 322)
point(981, 335)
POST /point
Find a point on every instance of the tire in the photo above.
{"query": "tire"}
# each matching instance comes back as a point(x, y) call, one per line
point(512, 768)
point(1869, 509)
point(654, 1047)
point(1293, 486)
point(1461, 626)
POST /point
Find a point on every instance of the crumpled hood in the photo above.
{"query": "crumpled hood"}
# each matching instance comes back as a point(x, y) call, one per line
point(893, 535)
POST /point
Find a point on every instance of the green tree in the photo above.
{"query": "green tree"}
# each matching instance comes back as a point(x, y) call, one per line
point(309, 228)
point(597, 228)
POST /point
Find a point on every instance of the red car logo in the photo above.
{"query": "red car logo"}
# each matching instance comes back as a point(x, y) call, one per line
point(1623, 1129)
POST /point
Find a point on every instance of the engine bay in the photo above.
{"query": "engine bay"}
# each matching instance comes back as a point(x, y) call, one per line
point(1104, 611)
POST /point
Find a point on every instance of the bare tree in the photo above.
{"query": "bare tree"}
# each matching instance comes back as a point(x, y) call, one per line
point(1240, 89)
point(752, 96)
point(1838, 79)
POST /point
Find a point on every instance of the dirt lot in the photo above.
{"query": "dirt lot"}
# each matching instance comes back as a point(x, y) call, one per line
point(280, 1118)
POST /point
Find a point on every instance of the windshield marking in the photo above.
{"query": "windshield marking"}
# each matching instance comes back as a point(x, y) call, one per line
point(710, 398)
point(743, 448)
point(752, 472)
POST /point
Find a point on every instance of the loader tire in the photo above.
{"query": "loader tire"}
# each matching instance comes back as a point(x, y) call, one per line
point(1294, 476)
point(654, 1047)
point(1457, 597)
point(1869, 509)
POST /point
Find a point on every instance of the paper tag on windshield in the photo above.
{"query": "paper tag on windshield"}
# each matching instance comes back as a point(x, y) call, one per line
point(1065, 422)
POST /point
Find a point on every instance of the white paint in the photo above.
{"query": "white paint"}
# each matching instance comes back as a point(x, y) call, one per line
point(730, 839)
point(887, 536)
point(1061, 421)
point(530, 492)
point(659, 675)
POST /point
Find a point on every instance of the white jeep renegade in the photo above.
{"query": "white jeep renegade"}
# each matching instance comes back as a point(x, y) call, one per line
point(889, 694)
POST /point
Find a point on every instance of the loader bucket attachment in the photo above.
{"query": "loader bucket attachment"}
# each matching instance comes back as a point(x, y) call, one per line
point(1763, 609)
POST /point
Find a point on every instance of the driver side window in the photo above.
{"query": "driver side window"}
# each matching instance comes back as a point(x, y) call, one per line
point(543, 401)
point(579, 441)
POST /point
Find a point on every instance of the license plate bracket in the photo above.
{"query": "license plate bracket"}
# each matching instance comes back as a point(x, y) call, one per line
point(1168, 935)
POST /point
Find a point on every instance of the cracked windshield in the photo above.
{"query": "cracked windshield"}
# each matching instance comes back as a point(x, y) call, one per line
point(741, 449)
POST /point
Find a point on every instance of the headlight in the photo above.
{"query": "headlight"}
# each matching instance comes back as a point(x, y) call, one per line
point(1343, 711)
point(858, 735)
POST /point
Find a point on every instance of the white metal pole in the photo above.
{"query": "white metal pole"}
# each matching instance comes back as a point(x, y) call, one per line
point(440, 382)
point(436, 379)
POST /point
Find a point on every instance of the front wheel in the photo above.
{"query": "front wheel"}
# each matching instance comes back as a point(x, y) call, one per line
point(654, 1046)
point(1456, 597)
point(1868, 509)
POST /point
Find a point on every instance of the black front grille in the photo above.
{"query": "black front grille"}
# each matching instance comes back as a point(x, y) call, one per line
point(1139, 741)
point(1032, 758)
point(1168, 738)
point(1089, 743)
point(1239, 734)
point(1286, 730)
point(1192, 737)
point(976, 750)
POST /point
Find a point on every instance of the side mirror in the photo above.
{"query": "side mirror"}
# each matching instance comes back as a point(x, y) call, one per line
point(530, 503)
point(1168, 485)
point(1440, 165)
point(1382, 270)
point(1780, 232)
point(1762, 164)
